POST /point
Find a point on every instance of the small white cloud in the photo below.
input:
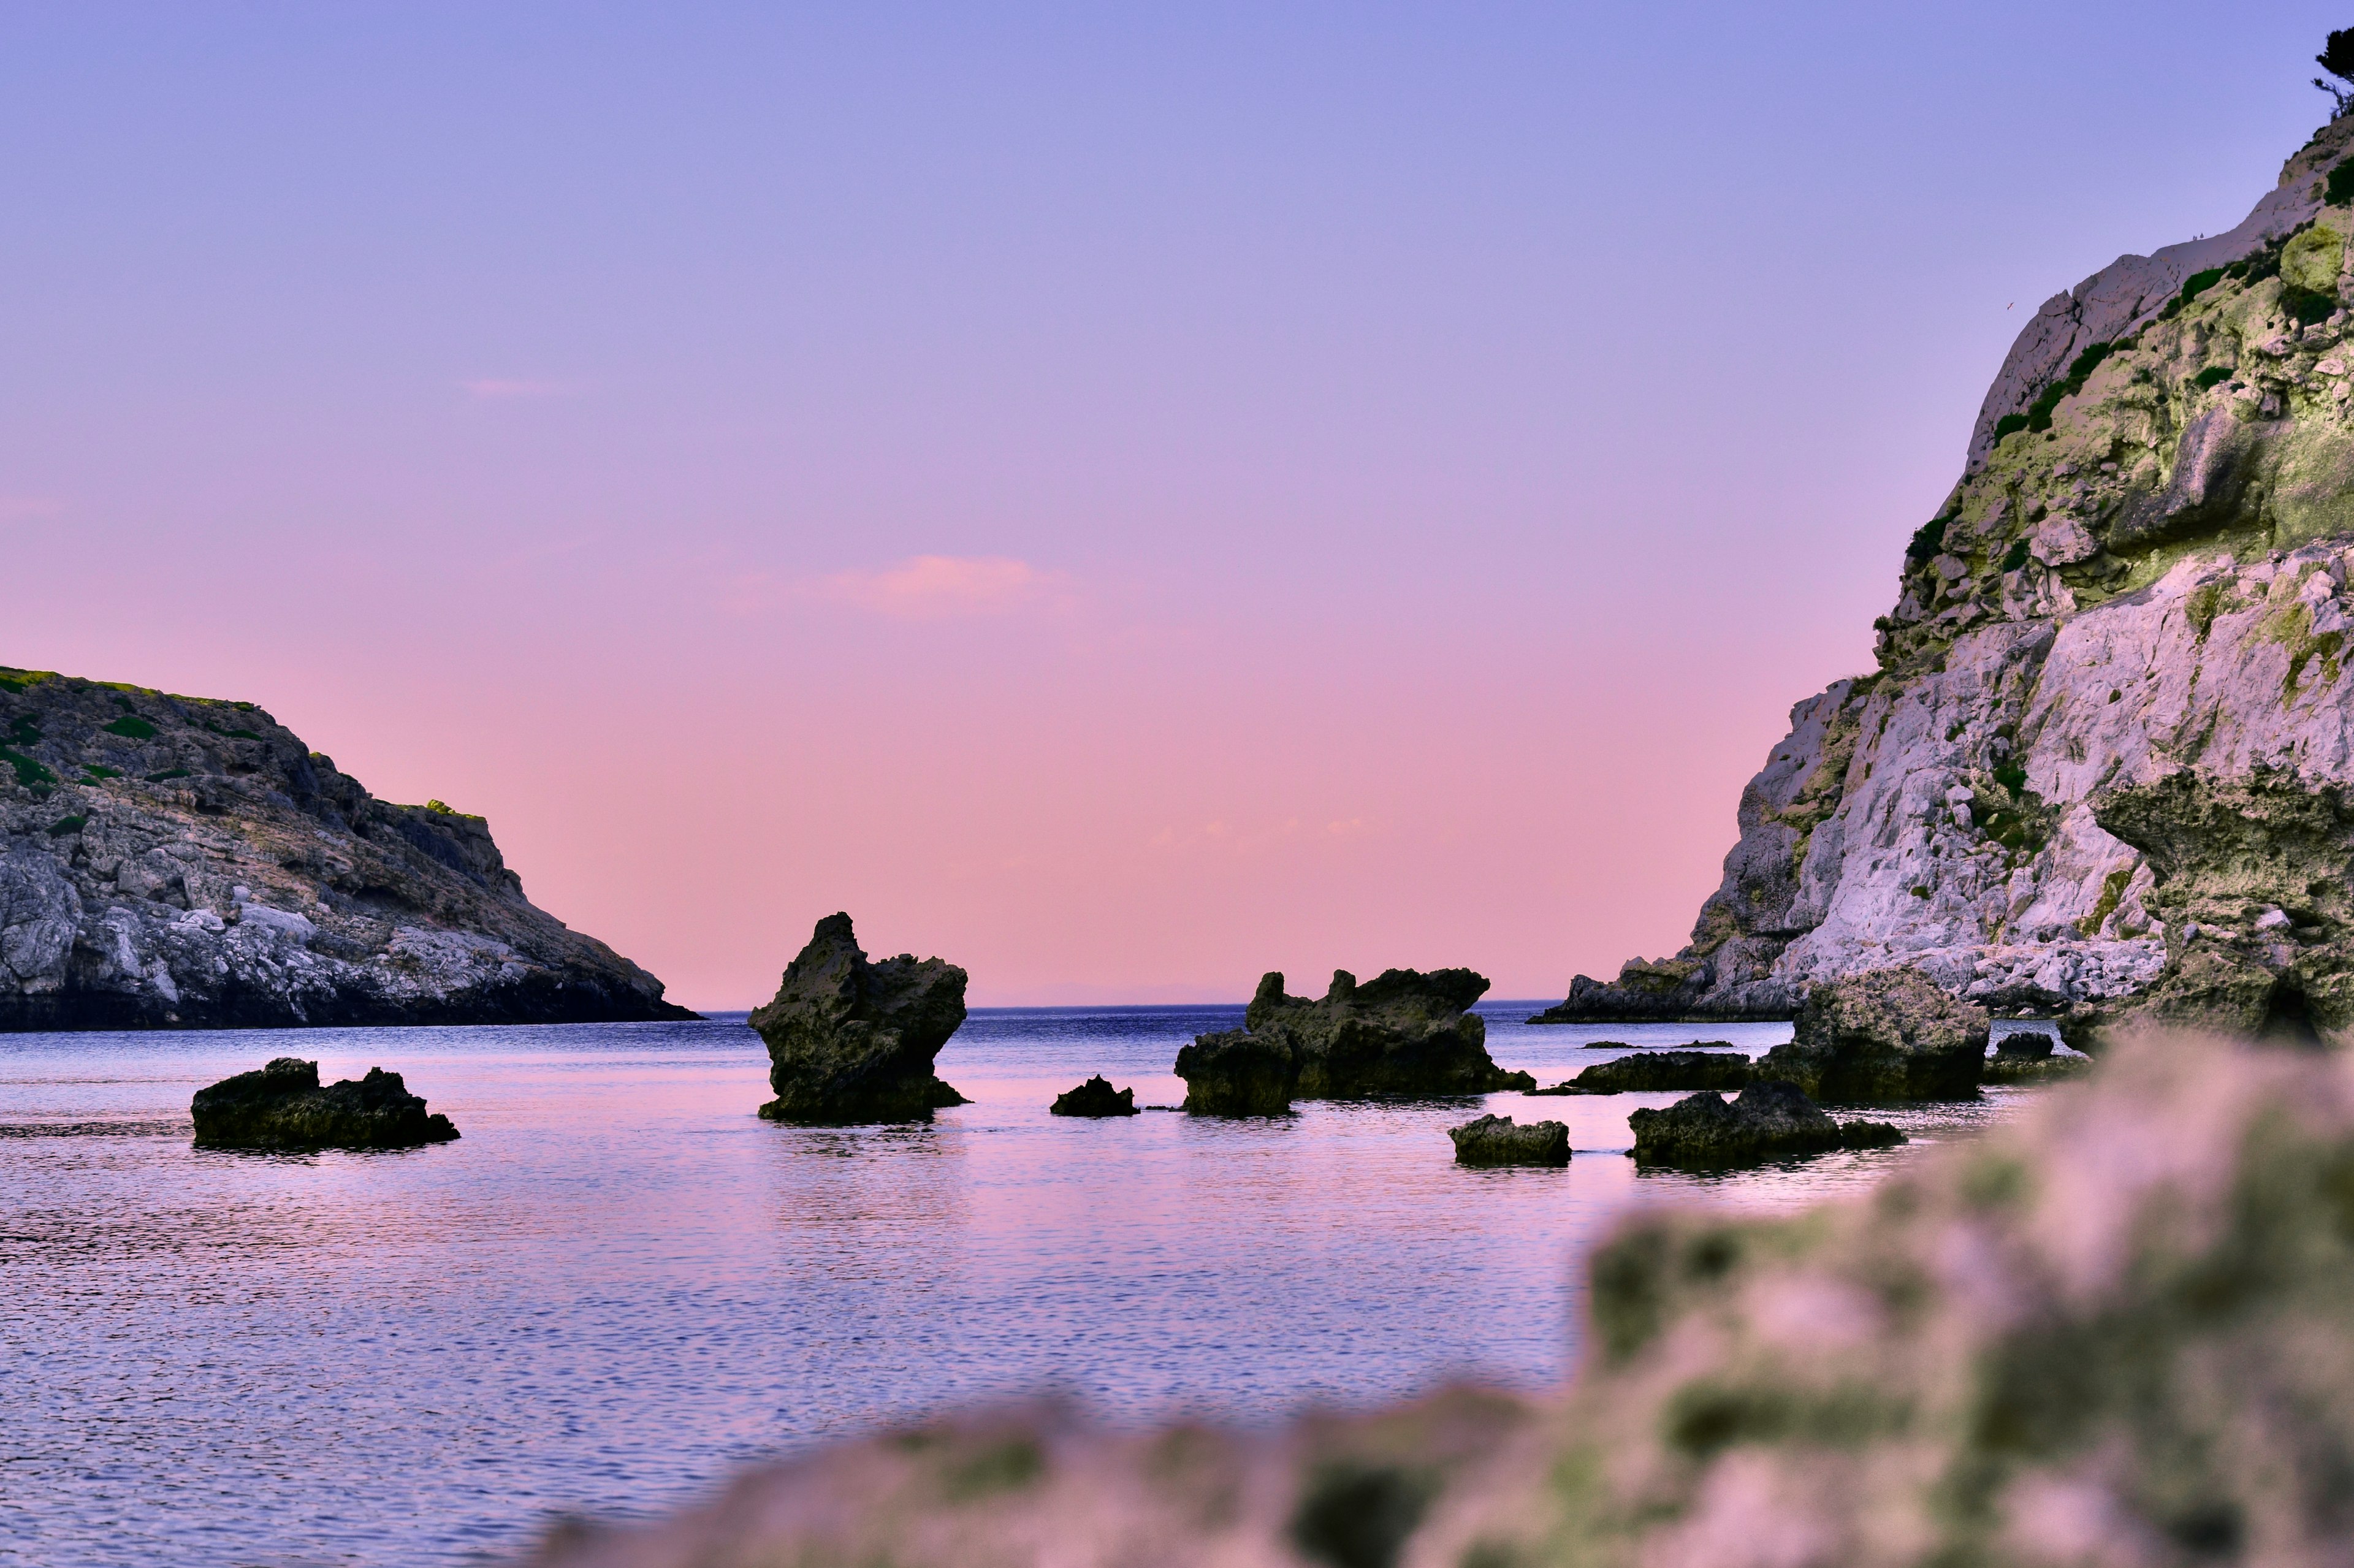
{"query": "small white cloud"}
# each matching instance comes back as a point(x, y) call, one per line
point(931, 588)
point(488, 389)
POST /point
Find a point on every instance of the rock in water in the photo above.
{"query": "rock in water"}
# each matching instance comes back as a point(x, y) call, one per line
point(1658, 1070)
point(2102, 767)
point(851, 1041)
point(1095, 1097)
point(1882, 1037)
point(1764, 1121)
point(1403, 1035)
point(1497, 1141)
point(179, 863)
point(1236, 1073)
point(282, 1106)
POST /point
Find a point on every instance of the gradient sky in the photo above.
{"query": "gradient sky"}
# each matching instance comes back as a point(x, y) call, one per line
point(1122, 497)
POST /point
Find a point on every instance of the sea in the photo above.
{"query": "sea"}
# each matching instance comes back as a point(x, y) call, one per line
point(620, 1286)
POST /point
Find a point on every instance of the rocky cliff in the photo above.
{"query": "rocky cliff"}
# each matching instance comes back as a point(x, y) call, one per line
point(2120, 636)
point(172, 860)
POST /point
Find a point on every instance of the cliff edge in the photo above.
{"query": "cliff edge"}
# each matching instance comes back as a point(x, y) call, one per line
point(177, 861)
point(2121, 632)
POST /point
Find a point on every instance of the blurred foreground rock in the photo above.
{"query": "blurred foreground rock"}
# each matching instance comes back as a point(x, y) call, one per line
point(1402, 1035)
point(2114, 1333)
point(282, 1106)
point(1498, 1140)
point(852, 1042)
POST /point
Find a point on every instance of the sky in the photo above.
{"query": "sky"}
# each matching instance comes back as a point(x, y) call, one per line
point(1123, 498)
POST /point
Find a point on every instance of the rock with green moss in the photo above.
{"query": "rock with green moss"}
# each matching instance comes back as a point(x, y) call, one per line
point(282, 1106)
point(1500, 1140)
point(1882, 1037)
point(1657, 1071)
point(852, 1042)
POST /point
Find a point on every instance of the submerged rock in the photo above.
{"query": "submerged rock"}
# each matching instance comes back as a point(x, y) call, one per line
point(1402, 1035)
point(852, 1042)
point(282, 1106)
point(1653, 1071)
point(1095, 1097)
point(1764, 1121)
point(1882, 1036)
point(1498, 1140)
point(1236, 1073)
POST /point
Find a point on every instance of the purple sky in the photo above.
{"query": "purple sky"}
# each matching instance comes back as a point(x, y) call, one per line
point(1123, 498)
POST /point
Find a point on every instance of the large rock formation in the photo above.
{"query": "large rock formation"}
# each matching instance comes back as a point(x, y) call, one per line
point(1232, 1072)
point(1646, 1072)
point(2118, 642)
point(2113, 1332)
point(1402, 1035)
point(282, 1106)
point(852, 1042)
point(174, 861)
point(1881, 1036)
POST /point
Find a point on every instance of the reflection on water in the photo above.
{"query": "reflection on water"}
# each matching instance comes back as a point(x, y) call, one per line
point(620, 1284)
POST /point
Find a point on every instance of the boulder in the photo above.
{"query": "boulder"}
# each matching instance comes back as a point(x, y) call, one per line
point(1402, 1035)
point(1236, 1073)
point(1884, 1035)
point(851, 1041)
point(1764, 1121)
point(1095, 1097)
point(1653, 1071)
point(283, 1107)
point(1496, 1141)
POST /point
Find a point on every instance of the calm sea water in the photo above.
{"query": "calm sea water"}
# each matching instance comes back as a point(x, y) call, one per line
point(620, 1284)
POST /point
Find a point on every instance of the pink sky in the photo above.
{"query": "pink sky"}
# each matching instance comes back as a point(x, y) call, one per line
point(1120, 505)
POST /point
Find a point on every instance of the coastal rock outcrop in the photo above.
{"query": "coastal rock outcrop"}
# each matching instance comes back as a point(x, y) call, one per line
point(1767, 1120)
point(852, 1042)
point(173, 861)
point(1654, 1071)
point(1881, 1036)
point(283, 1107)
point(1095, 1097)
point(1234, 1072)
point(1402, 1035)
point(1498, 1140)
point(2120, 641)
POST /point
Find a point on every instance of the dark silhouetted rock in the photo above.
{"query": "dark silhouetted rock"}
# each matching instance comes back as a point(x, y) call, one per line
point(1095, 1097)
point(1498, 1140)
point(1764, 1121)
point(1236, 1073)
point(1403, 1035)
point(1653, 1071)
point(283, 1107)
point(1886, 1036)
point(851, 1041)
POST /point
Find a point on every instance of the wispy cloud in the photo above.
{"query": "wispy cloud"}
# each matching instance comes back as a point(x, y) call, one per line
point(493, 389)
point(934, 588)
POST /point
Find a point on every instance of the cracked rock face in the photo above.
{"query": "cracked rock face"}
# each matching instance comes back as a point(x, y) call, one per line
point(173, 861)
point(2142, 574)
point(852, 1042)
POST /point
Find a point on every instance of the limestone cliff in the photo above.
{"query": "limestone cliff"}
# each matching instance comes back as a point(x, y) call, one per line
point(172, 861)
point(2121, 632)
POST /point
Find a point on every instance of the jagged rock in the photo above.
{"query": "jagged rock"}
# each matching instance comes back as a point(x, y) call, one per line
point(1767, 1120)
point(1403, 1034)
point(851, 1041)
point(1095, 1097)
point(2154, 523)
point(1497, 1141)
point(282, 1106)
point(174, 861)
point(1883, 1036)
point(1234, 1072)
point(1654, 1071)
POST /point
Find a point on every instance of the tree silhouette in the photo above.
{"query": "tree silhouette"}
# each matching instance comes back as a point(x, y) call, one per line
point(2337, 57)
